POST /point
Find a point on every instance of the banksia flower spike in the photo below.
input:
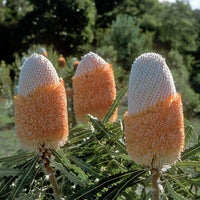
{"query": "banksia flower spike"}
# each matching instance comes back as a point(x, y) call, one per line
point(154, 130)
point(40, 105)
point(43, 52)
point(61, 61)
point(3, 64)
point(75, 65)
point(93, 88)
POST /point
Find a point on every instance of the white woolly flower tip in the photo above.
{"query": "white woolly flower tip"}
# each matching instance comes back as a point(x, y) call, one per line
point(42, 50)
point(88, 63)
point(150, 82)
point(36, 71)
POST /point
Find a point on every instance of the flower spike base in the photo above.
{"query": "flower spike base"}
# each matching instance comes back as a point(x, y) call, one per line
point(45, 155)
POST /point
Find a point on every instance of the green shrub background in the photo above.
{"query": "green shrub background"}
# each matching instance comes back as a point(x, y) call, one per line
point(94, 163)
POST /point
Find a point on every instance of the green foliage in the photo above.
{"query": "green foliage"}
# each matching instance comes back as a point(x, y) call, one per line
point(28, 172)
point(94, 165)
point(180, 69)
point(65, 24)
point(121, 182)
point(118, 31)
point(5, 81)
point(106, 11)
point(177, 21)
point(114, 105)
point(127, 40)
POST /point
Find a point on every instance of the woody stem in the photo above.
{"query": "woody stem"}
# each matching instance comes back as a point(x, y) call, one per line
point(155, 180)
point(46, 156)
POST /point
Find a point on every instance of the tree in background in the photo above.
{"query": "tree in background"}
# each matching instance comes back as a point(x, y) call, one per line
point(118, 30)
point(127, 40)
point(65, 24)
point(195, 74)
point(178, 29)
point(181, 76)
point(10, 14)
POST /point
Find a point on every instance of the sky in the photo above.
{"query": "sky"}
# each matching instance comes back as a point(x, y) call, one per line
point(195, 4)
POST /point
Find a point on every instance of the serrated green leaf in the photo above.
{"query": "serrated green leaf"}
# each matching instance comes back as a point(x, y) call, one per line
point(105, 183)
point(69, 175)
point(195, 182)
point(121, 146)
point(101, 127)
point(77, 137)
point(66, 163)
point(189, 130)
point(25, 197)
point(115, 191)
point(121, 155)
point(128, 195)
point(114, 138)
point(145, 196)
point(5, 186)
point(64, 166)
point(114, 105)
point(76, 129)
point(81, 174)
point(171, 191)
point(188, 164)
point(21, 156)
point(85, 166)
point(191, 151)
point(7, 181)
point(163, 195)
point(38, 170)
point(98, 124)
point(175, 179)
point(23, 179)
point(10, 172)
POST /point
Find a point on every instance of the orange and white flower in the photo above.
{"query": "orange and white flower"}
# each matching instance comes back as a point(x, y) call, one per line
point(154, 129)
point(43, 52)
point(40, 105)
point(94, 88)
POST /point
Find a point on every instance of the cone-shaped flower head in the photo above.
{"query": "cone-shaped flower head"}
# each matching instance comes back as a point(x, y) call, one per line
point(43, 52)
point(40, 105)
point(3, 64)
point(94, 88)
point(154, 127)
point(75, 65)
point(61, 61)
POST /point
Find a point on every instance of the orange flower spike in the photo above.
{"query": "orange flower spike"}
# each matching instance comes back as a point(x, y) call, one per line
point(43, 52)
point(61, 61)
point(154, 129)
point(75, 65)
point(93, 88)
point(40, 105)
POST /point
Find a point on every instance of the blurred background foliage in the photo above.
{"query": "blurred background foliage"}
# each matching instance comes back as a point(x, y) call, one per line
point(119, 31)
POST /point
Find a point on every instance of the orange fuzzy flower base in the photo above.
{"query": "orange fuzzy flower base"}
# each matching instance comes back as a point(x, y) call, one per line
point(41, 117)
point(94, 93)
point(61, 62)
point(75, 65)
point(155, 137)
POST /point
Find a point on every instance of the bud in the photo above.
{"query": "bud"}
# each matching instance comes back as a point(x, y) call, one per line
point(154, 128)
point(94, 88)
point(61, 61)
point(40, 105)
point(75, 65)
point(43, 52)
